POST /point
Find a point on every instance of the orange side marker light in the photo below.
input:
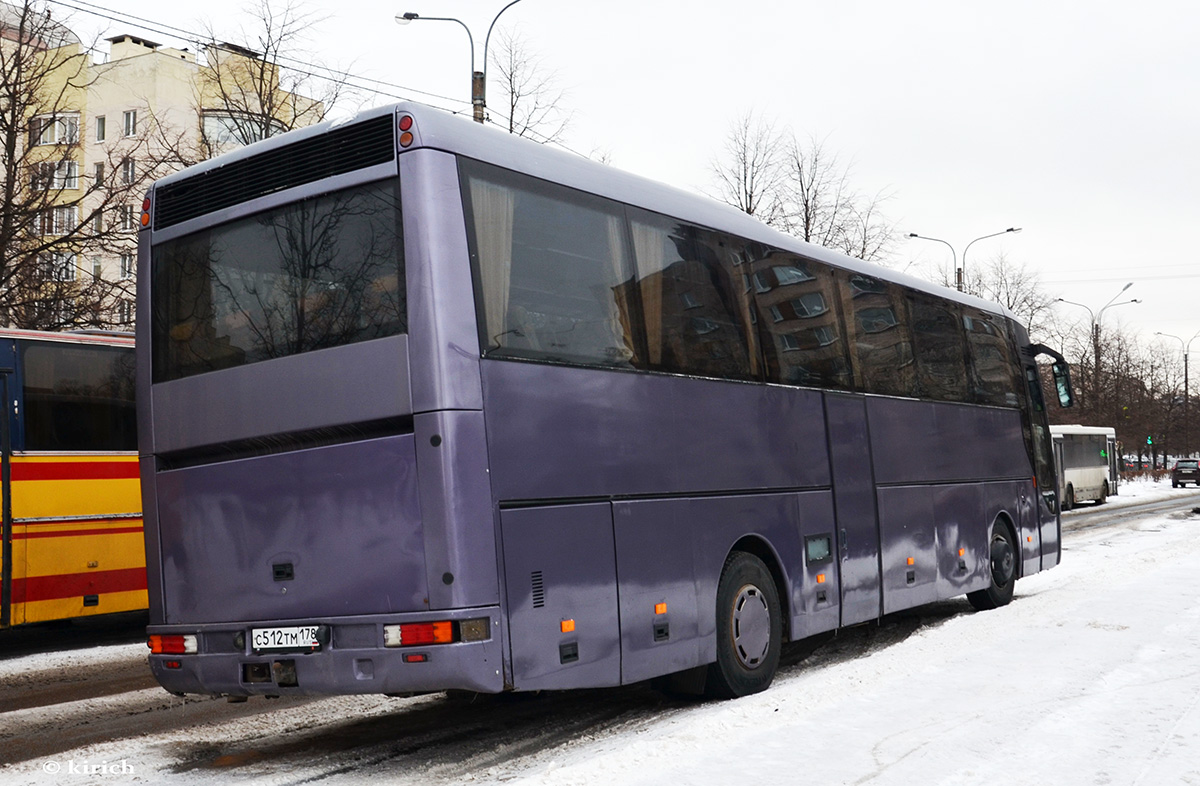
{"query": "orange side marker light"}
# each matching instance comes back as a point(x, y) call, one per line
point(567, 626)
point(660, 608)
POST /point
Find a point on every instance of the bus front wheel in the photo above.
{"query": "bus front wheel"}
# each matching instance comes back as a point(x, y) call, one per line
point(749, 629)
point(1003, 563)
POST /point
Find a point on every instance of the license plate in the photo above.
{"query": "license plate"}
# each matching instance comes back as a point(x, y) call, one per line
point(303, 637)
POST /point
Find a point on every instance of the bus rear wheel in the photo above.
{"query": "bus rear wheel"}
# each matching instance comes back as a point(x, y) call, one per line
point(1003, 563)
point(749, 629)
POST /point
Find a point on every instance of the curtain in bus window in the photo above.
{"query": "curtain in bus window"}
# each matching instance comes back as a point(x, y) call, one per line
point(798, 322)
point(554, 268)
point(493, 207)
point(938, 349)
point(78, 397)
point(314, 274)
point(880, 341)
point(689, 298)
point(650, 256)
point(994, 371)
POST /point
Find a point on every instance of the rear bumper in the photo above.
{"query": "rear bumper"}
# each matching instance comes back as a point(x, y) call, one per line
point(354, 661)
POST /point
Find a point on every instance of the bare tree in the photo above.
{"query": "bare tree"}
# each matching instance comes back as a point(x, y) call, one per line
point(749, 172)
point(532, 98)
point(822, 207)
point(51, 212)
point(800, 188)
point(262, 88)
point(1016, 286)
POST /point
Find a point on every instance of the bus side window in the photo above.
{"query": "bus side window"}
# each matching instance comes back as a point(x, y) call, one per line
point(553, 265)
point(687, 285)
point(880, 338)
point(799, 322)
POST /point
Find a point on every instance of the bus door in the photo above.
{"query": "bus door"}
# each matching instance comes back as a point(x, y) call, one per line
point(1113, 467)
point(854, 502)
point(7, 364)
point(1061, 486)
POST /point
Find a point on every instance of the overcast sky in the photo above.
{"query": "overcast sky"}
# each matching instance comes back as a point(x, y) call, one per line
point(1076, 121)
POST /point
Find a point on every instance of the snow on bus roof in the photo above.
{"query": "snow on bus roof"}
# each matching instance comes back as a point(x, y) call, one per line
point(439, 130)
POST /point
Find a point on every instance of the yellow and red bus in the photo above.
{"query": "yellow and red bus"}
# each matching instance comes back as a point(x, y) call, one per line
point(71, 500)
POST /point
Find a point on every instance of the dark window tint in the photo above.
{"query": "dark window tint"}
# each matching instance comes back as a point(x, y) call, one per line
point(1085, 450)
point(681, 264)
point(800, 332)
point(880, 339)
point(320, 273)
point(78, 397)
point(939, 349)
point(994, 374)
point(554, 270)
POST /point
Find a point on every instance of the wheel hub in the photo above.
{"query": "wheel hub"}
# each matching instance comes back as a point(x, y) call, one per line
point(1003, 561)
point(751, 626)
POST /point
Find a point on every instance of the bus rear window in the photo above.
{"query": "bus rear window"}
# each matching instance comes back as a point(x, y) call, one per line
point(320, 273)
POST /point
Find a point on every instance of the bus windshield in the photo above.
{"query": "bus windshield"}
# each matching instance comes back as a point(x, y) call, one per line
point(320, 273)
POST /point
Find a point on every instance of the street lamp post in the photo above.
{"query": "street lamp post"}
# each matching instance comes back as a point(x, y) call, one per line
point(962, 280)
point(478, 78)
point(1096, 317)
point(960, 274)
point(1187, 347)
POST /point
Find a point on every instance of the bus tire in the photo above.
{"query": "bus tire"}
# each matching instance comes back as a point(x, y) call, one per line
point(1103, 494)
point(749, 629)
point(1069, 498)
point(1002, 561)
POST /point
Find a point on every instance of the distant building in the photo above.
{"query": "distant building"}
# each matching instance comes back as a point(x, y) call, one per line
point(144, 111)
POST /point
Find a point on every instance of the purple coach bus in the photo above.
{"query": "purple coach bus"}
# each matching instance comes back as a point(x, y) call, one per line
point(425, 406)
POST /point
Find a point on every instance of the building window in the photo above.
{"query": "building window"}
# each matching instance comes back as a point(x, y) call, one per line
point(128, 170)
point(60, 130)
point(126, 266)
point(125, 215)
point(63, 175)
point(100, 128)
point(99, 169)
point(59, 266)
point(125, 312)
point(131, 122)
point(98, 221)
point(66, 219)
point(97, 266)
point(227, 129)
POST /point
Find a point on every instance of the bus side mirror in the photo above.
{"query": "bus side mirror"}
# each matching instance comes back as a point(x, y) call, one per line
point(1062, 383)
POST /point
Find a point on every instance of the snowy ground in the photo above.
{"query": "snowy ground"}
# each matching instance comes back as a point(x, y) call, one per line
point(1091, 676)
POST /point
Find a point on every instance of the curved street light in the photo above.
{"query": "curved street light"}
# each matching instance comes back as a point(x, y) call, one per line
point(963, 277)
point(1187, 347)
point(478, 78)
point(960, 274)
point(1096, 317)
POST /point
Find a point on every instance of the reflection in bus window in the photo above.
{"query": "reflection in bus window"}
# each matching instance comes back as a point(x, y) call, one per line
point(938, 344)
point(802, 340)
point(675, 260)
point(311, 275)
point(993, 380)
point(881, 344)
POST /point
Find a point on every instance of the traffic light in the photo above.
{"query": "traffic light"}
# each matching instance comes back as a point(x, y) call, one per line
point(1149, 441)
